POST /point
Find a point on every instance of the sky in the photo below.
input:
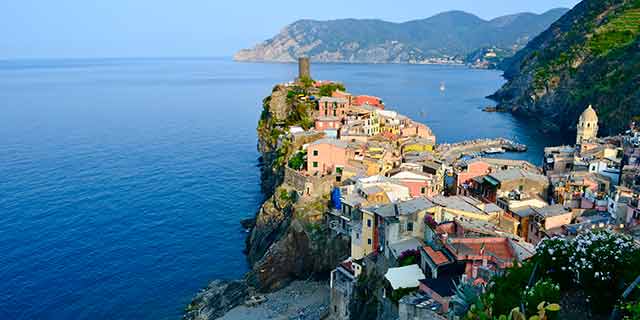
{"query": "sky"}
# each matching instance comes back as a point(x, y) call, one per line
point(198, 28)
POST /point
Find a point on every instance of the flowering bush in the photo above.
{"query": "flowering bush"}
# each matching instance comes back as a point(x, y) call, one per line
point(592, 261)
point(554, 256)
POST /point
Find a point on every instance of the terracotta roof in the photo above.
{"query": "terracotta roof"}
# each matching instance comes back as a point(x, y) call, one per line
point(436, 256)
point(470, 247)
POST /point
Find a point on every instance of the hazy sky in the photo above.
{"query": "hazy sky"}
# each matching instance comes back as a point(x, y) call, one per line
point(161, 28)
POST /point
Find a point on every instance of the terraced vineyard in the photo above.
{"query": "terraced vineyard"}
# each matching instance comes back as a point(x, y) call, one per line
point(620, 32)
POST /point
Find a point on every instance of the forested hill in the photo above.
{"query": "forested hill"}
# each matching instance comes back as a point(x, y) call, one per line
point(591, 55)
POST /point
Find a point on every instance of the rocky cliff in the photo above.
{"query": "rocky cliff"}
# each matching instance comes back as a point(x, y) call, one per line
point(288, 239)
point(418, 41)
point(591, 55)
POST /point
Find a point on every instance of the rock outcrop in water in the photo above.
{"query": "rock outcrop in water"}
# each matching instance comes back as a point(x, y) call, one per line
point(219, 297)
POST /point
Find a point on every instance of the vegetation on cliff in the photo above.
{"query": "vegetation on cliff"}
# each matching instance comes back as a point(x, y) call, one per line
point(287, 241)
point(589, 56)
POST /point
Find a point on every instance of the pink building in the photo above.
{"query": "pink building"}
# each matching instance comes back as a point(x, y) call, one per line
point(332, 107)
point(419, 184)
point(472, 169)
point(325, 156)
point(324, 123)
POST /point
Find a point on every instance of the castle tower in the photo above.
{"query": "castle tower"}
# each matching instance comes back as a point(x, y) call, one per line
point(304, 68)
point(587, 125)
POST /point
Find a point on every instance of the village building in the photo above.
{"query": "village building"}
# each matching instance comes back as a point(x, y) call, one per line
point(581, 190)
point(501, 183)
point(466, 171)
point(419, 184)
point(327, 123)
point(558, 160)
point(332, 107)
point(365, 100)
point(343, 95)
point(454, 252)
point(547, 222)
point(342, 281)
point(328, 156)
point(624, 206)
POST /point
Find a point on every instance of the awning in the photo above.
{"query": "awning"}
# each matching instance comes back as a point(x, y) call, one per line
point(491, 181)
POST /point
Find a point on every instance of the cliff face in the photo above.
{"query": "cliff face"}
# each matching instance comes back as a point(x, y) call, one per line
point(418, 41)
point(288, 239)
point(589, 56)
point(287, 242)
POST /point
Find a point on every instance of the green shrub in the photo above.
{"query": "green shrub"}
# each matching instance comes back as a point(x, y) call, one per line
point(297, 161)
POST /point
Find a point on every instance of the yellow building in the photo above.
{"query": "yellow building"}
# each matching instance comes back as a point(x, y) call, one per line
point(362, 240)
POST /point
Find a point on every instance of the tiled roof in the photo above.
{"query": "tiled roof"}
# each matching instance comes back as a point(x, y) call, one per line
point(550, 211)
point(437, 257)
point(335, 142)
point(497, 247)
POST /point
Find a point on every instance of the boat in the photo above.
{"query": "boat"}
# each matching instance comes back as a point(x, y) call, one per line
point(442, 87)
point(494, 150)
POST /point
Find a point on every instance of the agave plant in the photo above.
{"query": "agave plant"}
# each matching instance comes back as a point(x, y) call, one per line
point(465, 295)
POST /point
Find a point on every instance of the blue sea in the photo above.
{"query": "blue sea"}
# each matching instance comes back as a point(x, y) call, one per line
point(122, 181)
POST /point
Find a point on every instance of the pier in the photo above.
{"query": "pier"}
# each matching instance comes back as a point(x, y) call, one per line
point(454, 151)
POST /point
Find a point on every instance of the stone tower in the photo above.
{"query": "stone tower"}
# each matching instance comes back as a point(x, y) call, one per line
point(587, 125)
point(304, 68)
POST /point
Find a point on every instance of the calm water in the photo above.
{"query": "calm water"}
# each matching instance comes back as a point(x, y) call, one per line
point(122, 181)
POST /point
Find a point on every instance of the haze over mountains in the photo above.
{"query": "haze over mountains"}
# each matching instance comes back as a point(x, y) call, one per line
point(453, 36)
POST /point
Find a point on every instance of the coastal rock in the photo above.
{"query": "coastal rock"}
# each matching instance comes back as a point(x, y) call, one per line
point(271, 223)
point(215, 300)
point(303, 252)
point(248, 223)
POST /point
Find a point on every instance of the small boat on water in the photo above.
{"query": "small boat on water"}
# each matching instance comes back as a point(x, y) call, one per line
point(442, 86)
point(494, 150)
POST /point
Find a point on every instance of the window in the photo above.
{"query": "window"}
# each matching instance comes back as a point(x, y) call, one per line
point(315, 164)
point(369, 241)
point(369, 223)
point(423, 190)
point(315, 153)
point(409, 226)
point(521, 187)
point(357, 236)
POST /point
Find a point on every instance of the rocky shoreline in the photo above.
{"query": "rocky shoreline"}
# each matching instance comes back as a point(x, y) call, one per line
point(286, 241)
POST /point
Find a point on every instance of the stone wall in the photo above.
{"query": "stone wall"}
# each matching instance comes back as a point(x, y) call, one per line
point(308, 185)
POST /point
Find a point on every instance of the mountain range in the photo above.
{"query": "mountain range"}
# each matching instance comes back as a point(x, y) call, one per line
point(453, 37)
